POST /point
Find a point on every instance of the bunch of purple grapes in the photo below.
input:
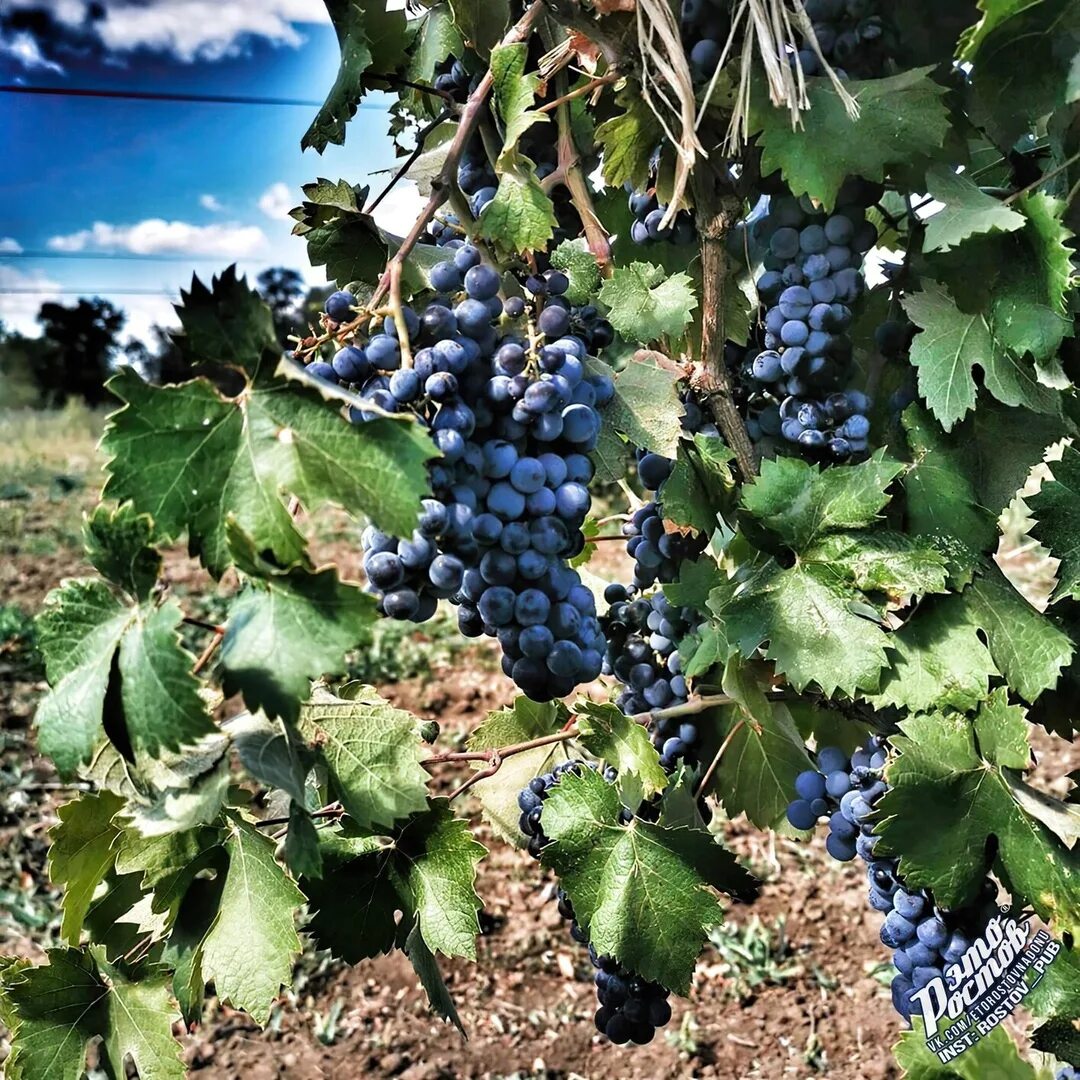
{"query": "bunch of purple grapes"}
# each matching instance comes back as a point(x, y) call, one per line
point(925, 939)
point(649, 214)
point(631, 1008)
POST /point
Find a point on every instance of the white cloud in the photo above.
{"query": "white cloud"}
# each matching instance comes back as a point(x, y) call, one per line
point(397, 213)
point(155, 235)
point(210, 202)
point(9, 245)
point(276, 201)
point(21, 295)
point(24, 48)
point(144, 312)
point(188, 29)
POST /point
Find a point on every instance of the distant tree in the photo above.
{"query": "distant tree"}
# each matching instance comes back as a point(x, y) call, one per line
point(283, 289)
point(18, 360)
point(86, 342)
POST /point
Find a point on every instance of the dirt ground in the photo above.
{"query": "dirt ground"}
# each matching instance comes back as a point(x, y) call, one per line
point(799, 987)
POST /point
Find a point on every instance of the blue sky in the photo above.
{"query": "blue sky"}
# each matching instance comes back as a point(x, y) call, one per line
point(200, 184)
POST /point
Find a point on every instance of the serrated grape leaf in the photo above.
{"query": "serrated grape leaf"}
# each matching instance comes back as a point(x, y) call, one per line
point(481, 22)
point(1058, 993)
point(101, 656)
point(764, 751)
point(249, 951)
point(1029, 649)
point(194, 917)
point(941, 496)
point(882, 561)
point(645, 303)
point(192, 458)
point(1056, 509)
point(372, 754)
point(950, 344)
point(436, 39)
point(269, 754)
point(521, 216)
point(77, 996)
point(81, 854)
point(900, 119)
point(288, 625)
point(119, 546)
point(166, 864)
point(697, 579)
point(369, 36)
point(525, 721)
point(946, 770)
point(637, 890)
point(967, 210)
point(993, 1055)
point(801, 502)
point(1062, 819)
point(806, 618)
point(646, 406)
point(703, 648)
point(627, 140)
point(609, 734)
point(701, 485)
point(579, 264)
point(302, 853)
point(1057, 1037)
point(427, 970)
point(338, 234)
point(938, 659)
point(513, 94)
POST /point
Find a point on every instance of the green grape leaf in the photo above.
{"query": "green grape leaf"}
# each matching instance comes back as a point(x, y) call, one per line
point(609, 734)
point(369, 36)
point(192, 458)
point(941, 497)
point(58, 1007)
point(166, 864)
point(372, 755)
point(119, 546)
point(249, 950)
point(1058, 1037)
point(808, 617)
point(637, 890)
point(646, 406)
point(901, 118)
point(513, 95)
point(950, 769)
point(194, 917)
point(646, 303)
point(269, 753)
point(579, 264)
point(626, 141)
point(525, 721)
point(882, 561)
point(993, 1055)
point(81, 854)
point(1029, 649)
point(939, 661)
point(521, 216)
point(697, 579)
point(427, 970)
point(1058, 994)
point(302, 853)
point(801, 502)
point(105, 660)
point(950, 344)
point(701, 485)
point(436, 39)
point(338, 234)
point(967, 210)
point(482, 22)
point(1056, 509)
point(764, 751)
point(286, 627)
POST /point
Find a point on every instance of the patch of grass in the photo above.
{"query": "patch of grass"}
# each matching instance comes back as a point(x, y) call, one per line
point(18, 641)
point(754, 955)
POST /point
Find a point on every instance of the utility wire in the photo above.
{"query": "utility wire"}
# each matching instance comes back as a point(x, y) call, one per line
point(20, 290)
point(124, 256)
point(150, 95)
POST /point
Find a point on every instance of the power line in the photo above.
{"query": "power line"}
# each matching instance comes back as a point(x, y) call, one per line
point(150, 95)
point(107, 256)
point(20, 290)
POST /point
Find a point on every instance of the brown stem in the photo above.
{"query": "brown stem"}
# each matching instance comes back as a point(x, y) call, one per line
point(447, 178)
point(715, 763)
point(573, 16)
point(1067, 163)
point(204, 625)
point(581, 91)
point(716, 214)
point(491, 756)
point(408, 163)
point(207, 654)
point(331, 810)
point(690, 708)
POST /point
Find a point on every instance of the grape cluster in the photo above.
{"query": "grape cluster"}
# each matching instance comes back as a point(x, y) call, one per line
point(631, 1008)
point(853, 37)
point(642, 638)
point(453, 78)
point(514, 420)
point(649, 213)
point(1068, 1072)
point(811, 280)
point(924, 938)
point(705, 26)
